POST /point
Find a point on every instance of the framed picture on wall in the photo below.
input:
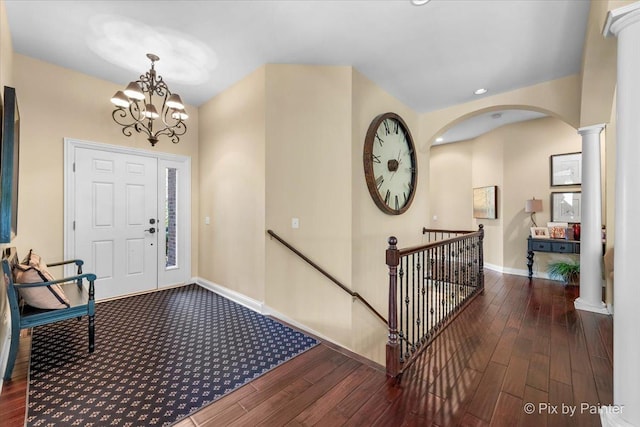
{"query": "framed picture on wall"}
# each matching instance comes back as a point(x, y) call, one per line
point(10, 149)
point(565, 207)
point(566, 169)
point(485, 202)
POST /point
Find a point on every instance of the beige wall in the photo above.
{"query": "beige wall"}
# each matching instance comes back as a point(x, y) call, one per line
point(451, 168)
point(598, 68)
point(516, 158)
point(232, 182)
point(487, 168)
point(308, 176)
point(6, 50)
point(371, 227)
point(74, 105)
point(286, 142)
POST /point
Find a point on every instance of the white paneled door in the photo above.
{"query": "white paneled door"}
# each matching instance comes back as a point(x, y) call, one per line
point(116, 220)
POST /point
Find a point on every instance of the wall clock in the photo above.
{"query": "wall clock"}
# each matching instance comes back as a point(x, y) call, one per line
point(390, 166)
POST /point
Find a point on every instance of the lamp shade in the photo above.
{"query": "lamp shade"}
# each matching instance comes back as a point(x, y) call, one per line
point(120, 99)
point(134, 91)
point(150, 112)
point(175, 102)
point(533, 205)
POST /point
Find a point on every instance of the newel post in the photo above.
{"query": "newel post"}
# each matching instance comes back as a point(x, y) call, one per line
point(393, 346)
point(481, 257)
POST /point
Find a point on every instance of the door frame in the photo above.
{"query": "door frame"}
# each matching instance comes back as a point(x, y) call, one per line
point(70, 144)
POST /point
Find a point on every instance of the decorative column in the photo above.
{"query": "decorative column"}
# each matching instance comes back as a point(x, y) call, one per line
point(624, 23)
point(591, 224)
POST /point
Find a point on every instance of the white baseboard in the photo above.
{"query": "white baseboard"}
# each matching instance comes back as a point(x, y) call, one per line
point(234, 296)
point(493, 267)
point(515, 271)
point(260, 307)
point(274, 313)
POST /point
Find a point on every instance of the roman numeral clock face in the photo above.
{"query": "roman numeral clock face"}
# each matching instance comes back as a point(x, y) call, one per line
point(390, 166)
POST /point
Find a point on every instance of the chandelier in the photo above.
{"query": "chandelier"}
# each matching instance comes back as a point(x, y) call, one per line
point(136, 110)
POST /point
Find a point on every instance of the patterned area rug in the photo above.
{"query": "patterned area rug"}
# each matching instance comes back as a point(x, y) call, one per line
point(158, 358)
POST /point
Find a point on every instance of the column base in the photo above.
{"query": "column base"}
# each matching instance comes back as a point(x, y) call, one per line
point(581, 304)
point(610, 416)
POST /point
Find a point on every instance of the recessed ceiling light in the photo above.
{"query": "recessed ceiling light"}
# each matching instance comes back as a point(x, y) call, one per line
point(420, 2)
point(480, 91)
point(439, 139)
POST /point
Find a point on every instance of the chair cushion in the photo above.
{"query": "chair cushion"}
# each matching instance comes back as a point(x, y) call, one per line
point(34, 270)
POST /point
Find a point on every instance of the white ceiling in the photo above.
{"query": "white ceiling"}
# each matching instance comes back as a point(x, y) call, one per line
point(429, 57)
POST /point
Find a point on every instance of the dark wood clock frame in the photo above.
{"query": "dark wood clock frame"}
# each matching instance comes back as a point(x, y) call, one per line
point(368, 163)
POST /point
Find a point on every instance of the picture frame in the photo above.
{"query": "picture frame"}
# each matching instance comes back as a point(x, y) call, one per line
point(9, 161)
point(566, 169)
point(558, 230)
point(485, 202)
point(565, 206)
point(540, 232)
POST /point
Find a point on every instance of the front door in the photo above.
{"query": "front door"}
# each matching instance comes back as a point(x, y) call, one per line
point(116, 220)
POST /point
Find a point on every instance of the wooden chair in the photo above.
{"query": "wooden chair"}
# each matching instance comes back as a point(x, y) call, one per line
point(81, 303)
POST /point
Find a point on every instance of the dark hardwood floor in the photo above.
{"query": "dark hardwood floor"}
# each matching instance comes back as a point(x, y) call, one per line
point(518, 343)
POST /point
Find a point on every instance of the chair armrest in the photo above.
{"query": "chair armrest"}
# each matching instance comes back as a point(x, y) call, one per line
point(77, 262)
point(89, 276)
point(69, 261)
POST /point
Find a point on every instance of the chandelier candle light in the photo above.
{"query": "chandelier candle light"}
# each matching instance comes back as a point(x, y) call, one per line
point(135, 108)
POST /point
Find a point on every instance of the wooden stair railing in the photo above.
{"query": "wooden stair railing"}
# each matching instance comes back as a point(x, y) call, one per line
point(429, 285)
point(353, 294)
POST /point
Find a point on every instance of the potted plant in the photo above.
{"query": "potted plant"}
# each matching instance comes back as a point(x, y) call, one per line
point(567, 271)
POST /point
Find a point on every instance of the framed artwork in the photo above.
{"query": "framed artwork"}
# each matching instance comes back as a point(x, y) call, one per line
point(565, 207)
point(10, 149)
point(540, 232)
point(566, 169)
point(485, 202)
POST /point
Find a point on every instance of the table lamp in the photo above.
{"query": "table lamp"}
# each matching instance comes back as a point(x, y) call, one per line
point(532, 206)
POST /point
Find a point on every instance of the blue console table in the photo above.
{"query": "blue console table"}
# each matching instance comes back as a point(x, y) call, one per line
point(561, 246)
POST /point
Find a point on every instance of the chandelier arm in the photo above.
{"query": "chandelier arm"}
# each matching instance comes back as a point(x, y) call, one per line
point(168, 120)
point(161, 88)
point(136, 111)
point(174, 133)
point(177, 130)
point(142, 128)
point(119, 114)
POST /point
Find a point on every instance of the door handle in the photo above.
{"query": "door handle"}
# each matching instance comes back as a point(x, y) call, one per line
point(151, 230)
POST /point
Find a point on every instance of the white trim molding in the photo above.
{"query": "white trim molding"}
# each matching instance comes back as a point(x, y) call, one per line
point(232, 295)
point(262, 308)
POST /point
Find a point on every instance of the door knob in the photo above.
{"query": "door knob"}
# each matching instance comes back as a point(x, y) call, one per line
point(151, 230)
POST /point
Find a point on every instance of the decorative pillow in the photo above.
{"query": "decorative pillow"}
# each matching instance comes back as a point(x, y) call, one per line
point(34, 270)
